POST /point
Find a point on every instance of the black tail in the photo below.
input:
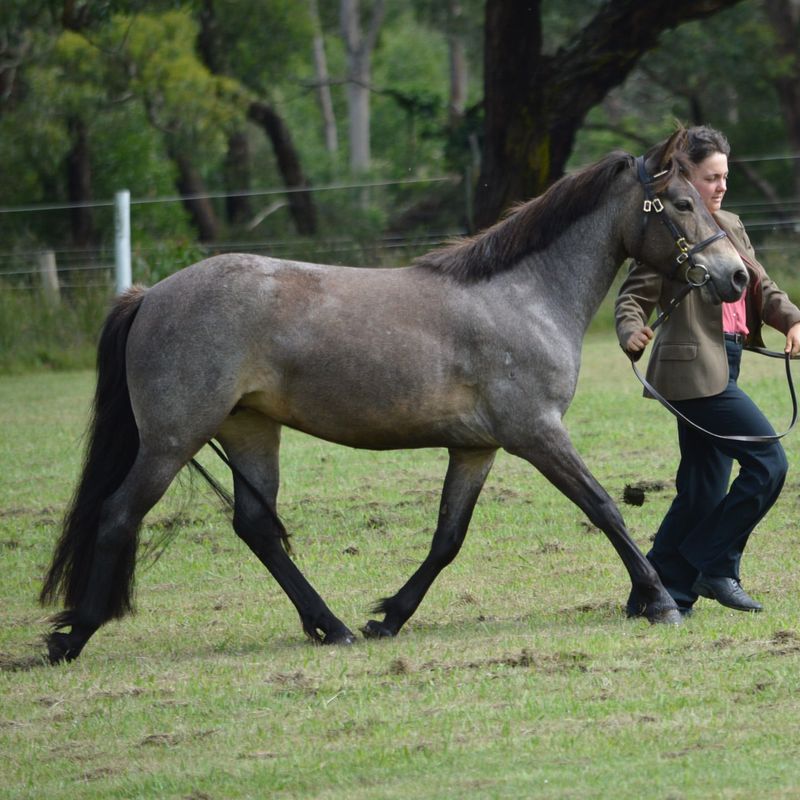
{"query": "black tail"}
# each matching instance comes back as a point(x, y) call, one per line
point(113, 442)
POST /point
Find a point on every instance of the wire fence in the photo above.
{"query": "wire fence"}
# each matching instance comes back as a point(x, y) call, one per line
point(774, 226)
point(26, 269)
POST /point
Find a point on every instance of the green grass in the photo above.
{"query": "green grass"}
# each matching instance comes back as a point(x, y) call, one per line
point(518, 677)
point(37, 336)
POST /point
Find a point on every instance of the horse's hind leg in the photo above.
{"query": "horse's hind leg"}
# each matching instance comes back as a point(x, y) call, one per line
point(466, 475)
point(251, 442)
point(109, 580)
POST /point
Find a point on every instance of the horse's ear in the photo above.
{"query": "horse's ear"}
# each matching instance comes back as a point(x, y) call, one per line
point(675, 142)
point(659, 158)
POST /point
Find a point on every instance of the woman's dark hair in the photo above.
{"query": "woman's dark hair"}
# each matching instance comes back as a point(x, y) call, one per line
point(702, 142)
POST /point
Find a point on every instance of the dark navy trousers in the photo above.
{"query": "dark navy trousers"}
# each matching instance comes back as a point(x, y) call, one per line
point(710, 519)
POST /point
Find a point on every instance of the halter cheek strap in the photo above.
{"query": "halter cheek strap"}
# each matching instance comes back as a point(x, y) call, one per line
point(694, 273)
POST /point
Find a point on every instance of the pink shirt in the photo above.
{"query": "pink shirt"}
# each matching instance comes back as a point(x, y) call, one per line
point(734, 317)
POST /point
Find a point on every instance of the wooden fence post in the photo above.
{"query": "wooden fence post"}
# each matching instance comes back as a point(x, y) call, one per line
point(49, 276)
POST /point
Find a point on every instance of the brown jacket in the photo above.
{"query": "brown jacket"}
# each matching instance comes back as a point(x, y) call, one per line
point(688, 358)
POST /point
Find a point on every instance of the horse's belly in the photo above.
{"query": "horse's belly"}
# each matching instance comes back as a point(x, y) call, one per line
point(377, 420)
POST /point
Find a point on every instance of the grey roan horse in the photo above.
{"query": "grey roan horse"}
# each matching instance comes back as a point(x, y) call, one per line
point(474, 347)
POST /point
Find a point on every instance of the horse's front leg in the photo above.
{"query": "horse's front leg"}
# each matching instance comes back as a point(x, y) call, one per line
point(466, 474)
point(554, 455)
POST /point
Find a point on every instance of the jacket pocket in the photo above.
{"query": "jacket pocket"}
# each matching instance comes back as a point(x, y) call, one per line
point(677, 352)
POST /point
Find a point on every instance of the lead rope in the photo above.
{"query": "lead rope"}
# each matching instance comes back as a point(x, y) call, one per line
point(662, 317)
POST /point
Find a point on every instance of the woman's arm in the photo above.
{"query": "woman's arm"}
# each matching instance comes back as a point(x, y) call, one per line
point(637, 298)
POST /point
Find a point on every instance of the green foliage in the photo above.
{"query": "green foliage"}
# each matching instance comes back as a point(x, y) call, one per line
point(157, 259)
point(410, 104)
point(180, 94)
point(262, 40)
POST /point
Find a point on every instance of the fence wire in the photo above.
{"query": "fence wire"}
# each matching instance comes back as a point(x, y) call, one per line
point(773, 224)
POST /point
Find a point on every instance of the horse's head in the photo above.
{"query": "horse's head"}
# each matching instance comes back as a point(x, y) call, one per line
point(678, 235)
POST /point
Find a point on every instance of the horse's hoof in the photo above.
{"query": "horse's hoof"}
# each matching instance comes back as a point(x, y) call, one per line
point(669, 616)
point(376, 630)
point(59, 648)
point(344, 637)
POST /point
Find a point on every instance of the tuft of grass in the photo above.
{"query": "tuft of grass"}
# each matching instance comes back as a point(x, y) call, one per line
point(519, 676)
point(36, 335)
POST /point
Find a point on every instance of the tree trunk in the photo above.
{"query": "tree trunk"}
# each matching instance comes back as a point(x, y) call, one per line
point(323, 81)
point(535, 103)
point(193, 192)
point(79, 183)
point(514, 127)
point(238, 208)
point(358, 50)
point(784, 16)
point(301, 206)
point(458, 63)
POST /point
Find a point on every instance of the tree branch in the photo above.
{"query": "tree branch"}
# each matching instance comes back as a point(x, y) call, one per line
point(602, 55)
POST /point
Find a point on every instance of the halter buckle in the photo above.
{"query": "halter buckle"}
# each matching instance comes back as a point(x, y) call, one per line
point(658, 206)
point(682, 244)
point(684, 256)
point(648, 206)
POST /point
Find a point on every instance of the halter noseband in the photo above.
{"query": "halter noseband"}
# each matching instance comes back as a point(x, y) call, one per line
point(686, 255)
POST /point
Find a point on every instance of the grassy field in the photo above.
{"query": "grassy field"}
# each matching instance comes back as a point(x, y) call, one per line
point(518, 677)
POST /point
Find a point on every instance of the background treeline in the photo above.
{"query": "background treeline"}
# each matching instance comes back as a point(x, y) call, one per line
point(236, 125)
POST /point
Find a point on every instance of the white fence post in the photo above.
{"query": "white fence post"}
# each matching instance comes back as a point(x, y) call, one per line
point(122, 240)
point(49, 275)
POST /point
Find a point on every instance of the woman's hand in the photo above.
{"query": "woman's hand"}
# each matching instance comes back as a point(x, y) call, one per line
point(793, 340)
point(638, 340)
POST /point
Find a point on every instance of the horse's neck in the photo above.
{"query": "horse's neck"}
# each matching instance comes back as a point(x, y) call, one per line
point(577, 270)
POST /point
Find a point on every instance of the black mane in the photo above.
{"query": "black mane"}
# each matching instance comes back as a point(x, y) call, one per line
point(529, 227)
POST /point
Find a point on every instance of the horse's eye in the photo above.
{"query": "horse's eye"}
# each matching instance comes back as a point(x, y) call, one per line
point(683, 205)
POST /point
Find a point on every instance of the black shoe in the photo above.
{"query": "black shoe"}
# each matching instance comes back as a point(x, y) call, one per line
point(727, 591)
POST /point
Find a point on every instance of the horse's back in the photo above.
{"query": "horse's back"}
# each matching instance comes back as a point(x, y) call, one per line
point(365, 357)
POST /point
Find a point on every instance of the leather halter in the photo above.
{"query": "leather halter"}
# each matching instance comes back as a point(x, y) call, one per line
point(686, 254)
point(652, 203)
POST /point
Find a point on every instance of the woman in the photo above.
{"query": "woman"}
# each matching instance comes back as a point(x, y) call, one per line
point(695, 365)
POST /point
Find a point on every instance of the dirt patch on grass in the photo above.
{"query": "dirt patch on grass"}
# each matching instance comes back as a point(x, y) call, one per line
point(296, 681)
point(526, 659)
point(9, 663)
point(174, 738)
point(784, 642)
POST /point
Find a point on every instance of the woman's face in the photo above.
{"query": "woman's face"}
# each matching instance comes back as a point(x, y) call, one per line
point(710, 178)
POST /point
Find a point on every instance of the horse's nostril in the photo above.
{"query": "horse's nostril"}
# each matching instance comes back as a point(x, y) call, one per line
point(740, 279)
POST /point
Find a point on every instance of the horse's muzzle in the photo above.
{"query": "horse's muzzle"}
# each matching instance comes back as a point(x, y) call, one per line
point(729, 290)
point(740, 279)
